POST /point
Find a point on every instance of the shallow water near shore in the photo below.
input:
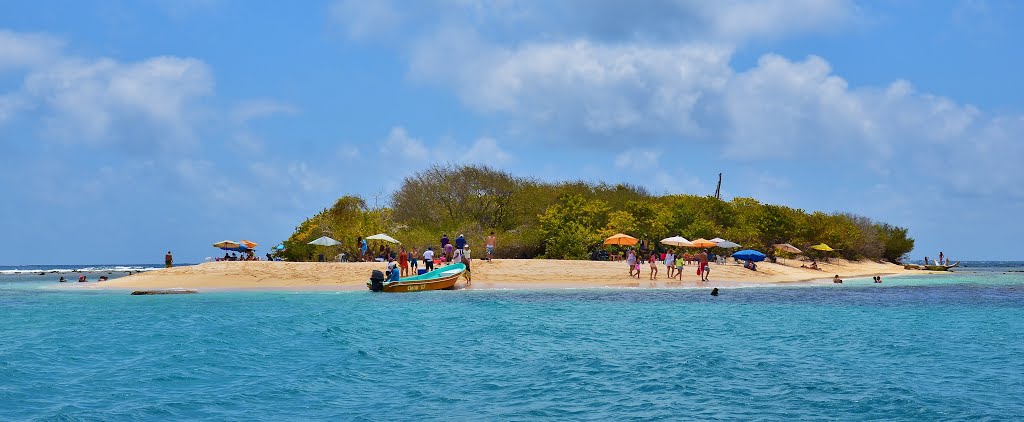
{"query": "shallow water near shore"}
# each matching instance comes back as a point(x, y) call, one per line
point(912, 348)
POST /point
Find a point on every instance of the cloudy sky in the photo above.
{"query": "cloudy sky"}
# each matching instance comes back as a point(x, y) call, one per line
point(128, 128)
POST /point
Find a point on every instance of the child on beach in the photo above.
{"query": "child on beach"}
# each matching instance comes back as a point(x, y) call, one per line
point(679, 269)
point(636, 267)
point(654, 266)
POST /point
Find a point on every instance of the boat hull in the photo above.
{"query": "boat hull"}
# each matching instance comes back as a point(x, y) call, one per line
point(440, 279)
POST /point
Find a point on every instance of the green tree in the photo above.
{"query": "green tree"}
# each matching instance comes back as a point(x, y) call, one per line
point(571, 227)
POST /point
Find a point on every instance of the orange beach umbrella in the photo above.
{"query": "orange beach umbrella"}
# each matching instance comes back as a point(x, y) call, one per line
point(248, 243)
point(703, 243)
point(621, 239)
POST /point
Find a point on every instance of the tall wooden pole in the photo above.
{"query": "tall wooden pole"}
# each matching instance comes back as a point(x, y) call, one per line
point(718, 190)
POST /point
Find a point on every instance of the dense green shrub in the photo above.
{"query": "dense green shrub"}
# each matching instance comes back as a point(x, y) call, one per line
point(568, 220)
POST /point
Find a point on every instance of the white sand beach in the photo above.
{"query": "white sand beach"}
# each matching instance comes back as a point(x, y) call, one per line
point(498, 274)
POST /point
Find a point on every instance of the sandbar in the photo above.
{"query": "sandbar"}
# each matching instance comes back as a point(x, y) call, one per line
point(496, 274)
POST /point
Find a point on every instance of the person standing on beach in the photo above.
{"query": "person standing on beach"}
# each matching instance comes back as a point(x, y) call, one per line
point(456, 256)
point(444, 241)
point(168, 260)
point(654, 266)
point(490, 243)
point(449, 252)
point(403, 262)
point(631, 260)
point(702, 261)
point(363, 249)
point(670, 263)
point(466, 261)
point(428, 259)
point(413, 265)
point(941, 262)
point(460, 242)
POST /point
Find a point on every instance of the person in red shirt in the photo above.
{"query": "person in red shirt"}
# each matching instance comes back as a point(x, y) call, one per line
point(403, 262)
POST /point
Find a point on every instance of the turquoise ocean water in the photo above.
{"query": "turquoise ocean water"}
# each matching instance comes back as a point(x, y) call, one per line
point(923, 348)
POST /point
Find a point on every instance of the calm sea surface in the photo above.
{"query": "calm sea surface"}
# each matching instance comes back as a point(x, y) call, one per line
point(927, 348)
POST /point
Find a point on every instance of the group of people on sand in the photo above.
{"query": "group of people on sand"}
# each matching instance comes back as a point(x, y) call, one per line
point(674, 264)
point(247, 256)
point(405, 263)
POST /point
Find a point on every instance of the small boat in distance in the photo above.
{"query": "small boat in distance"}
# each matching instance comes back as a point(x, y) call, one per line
point(443, 278)
point(931, 267)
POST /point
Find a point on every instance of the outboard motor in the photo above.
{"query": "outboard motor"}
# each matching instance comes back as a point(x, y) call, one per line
point(377, 281)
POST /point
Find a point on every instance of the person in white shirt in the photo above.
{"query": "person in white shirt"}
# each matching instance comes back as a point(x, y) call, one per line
point(428, 259)
point(457, 256)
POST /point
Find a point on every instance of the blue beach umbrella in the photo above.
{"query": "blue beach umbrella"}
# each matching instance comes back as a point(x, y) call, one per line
point(749, 255)
point(279, 247)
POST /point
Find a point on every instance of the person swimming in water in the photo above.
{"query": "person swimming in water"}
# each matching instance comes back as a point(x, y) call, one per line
point(62, 280)
point(837, 280)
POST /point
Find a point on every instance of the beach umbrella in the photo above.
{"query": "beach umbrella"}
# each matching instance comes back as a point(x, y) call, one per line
point(718, 240)
point(249, 243)
point(785, 247)
point(749, 255)
point(822, 247)
point(382, 236)
point(703, 243)
point(728, 245)
point(226, 244)
point(621, 239)
point(325, 241)
point(676, 241)
point(279, 247)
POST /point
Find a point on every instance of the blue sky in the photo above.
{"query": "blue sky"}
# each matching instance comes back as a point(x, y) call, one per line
point(131, 128)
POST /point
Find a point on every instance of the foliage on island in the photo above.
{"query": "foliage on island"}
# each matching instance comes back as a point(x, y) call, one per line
point(569, 220)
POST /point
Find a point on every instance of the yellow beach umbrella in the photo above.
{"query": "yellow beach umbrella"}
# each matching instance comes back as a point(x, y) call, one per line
point(621, 239)
point(822, 247)
point(703, 243)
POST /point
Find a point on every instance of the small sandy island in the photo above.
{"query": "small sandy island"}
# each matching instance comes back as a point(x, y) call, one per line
point(498, 274)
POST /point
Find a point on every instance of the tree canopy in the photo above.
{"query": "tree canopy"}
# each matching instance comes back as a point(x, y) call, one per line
point(569, 220)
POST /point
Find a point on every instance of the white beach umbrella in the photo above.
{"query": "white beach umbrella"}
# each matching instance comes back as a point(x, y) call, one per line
point(226, 244)
point(382, 236)
point(676, 241)
point(325, 241)
point(787, 247)
point(728, 245)
point(718, 240)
